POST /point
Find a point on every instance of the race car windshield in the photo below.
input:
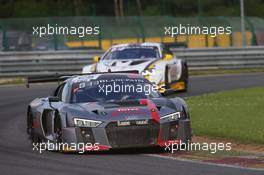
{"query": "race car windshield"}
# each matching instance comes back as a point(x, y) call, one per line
point(112, 91)
point(132, 53)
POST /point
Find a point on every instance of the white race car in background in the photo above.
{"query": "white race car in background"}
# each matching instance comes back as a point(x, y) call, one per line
point(153, 60)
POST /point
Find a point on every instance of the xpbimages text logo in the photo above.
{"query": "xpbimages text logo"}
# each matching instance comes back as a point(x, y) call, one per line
point(80, 31)
point(188, 29)
point(74, 147)
point(192, 146)
point(128, 88)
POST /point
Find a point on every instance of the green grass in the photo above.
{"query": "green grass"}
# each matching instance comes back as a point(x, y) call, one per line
point(237, 115)
point(226, 71)
point(7, 81)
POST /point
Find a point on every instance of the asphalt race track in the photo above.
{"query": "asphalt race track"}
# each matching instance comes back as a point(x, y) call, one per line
point(17, 157)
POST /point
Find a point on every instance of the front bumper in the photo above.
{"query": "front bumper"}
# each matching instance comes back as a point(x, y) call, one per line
point(112, 136)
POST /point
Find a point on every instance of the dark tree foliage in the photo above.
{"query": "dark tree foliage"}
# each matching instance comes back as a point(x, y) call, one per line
point(181, 8)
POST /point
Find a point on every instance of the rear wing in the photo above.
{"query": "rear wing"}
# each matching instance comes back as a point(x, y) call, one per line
point(62, 77)
point(43, 79)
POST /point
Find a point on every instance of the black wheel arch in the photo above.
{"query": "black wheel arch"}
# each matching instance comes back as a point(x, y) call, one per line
point(29, 119)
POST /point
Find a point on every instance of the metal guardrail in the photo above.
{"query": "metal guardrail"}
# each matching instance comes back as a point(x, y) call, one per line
point(222, 58)
point(20, 64)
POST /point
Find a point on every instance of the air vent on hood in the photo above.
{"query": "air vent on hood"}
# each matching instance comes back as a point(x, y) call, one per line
point(159, 107)
point(99, 113)
point(137, 62)
point(128, 103)
point(95, 111)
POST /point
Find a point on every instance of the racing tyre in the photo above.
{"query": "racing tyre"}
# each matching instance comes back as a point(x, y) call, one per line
point(30, 130)
point(185, 75)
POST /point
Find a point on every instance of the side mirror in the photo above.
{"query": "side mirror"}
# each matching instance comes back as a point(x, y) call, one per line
point(96, 59)
point(168, 57)
point(54, 99)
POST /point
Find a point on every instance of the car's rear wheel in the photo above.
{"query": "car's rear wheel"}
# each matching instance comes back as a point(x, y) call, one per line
point(185, 75)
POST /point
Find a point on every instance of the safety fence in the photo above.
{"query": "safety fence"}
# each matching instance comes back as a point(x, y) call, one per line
point(17, 34)
point(19, 64)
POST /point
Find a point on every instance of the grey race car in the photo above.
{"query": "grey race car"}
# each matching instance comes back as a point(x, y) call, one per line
point(83, 109)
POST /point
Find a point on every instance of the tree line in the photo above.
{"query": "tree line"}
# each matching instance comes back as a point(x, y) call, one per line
point(180, 8)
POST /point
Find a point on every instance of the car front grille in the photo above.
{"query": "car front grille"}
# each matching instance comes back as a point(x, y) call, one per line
point(133, 135)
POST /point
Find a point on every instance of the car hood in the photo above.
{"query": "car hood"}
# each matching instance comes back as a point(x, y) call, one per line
point(117, 111)
point(124, 65)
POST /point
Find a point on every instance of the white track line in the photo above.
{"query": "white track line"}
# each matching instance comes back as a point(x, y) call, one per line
point(204, 163)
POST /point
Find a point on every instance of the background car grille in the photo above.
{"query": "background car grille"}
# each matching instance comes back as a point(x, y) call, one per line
point(133, 135)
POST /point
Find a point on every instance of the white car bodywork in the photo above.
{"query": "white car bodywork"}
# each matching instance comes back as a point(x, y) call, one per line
point(154, 69)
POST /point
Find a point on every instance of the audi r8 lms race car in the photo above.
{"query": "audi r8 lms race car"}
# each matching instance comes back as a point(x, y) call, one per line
point(103, 111)
point(153, 60)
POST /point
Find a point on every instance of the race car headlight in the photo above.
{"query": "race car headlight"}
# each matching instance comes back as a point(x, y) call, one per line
point(151, 67)
point(150, 70)
point(86, 123)
point(172, 117)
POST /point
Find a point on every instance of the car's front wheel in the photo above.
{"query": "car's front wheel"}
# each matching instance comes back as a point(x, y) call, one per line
point(57, 130)
point(34, 138)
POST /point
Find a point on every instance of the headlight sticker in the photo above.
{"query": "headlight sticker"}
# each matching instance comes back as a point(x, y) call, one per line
point(86, 123)
point(173, 116)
